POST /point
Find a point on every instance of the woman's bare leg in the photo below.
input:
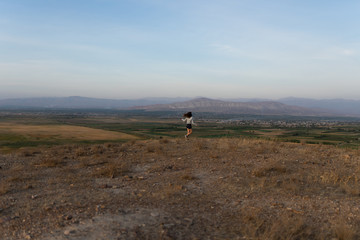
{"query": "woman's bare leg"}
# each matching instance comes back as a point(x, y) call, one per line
point(189, 131)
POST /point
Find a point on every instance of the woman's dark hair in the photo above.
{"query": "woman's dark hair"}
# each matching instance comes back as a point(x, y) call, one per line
point(188, 114)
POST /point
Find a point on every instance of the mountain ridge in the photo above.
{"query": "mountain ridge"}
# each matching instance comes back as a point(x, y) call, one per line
point(344, 107)
point(220, 106)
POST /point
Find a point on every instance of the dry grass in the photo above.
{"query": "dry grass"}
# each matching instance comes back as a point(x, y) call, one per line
point(27, 152)
point(200, 188)
point(50, 162)
point(62, 132)
point(344, 231)
point(270, 170)
point(164, 140)
point(188, 177)
point(5, 187)
point(155, 147)
point(112, 169)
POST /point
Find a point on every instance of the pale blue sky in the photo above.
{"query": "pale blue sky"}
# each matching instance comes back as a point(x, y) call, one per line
point(180, 48)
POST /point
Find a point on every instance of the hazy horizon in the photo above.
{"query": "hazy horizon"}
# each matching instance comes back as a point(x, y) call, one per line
point(178, 97)
point(132, 49)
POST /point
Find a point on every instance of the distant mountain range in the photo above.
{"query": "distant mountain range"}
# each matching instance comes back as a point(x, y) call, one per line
point(340, 106)
point(219, 106)
point(285, 106)
point(76, 102)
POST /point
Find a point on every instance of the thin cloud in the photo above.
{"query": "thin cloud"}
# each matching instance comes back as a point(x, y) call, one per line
point(331, 53)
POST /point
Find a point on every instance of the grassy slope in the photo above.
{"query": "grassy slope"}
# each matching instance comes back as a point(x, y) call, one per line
point(175, 189)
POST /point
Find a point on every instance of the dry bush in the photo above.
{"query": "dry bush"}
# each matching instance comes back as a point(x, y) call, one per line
point(287, 226)
point(292, 184)
point(272, 169)
point(27, 152)
point(168, 191)
point(5, 187)
point(257, 146)
point(223, 144)
point(17, 167)
point(155, 148)
point(97, 149)
point(150, 148)
point(16, 173)
point(88, 162)
point(164, 140)
point(188, 177)
point(214, 155)
point(341, 175)
point(109, 145)
point(351, 189)
point(291, 227)
point(343, 231)
point(200, 144)
point(120, 148)
point(252, 224)
point(112, 169)
point(50, 162)
point(81, 151)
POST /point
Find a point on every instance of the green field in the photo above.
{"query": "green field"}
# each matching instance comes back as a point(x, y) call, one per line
point(38, 128)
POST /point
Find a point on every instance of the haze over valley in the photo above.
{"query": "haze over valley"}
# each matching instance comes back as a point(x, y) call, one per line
point(285, 106)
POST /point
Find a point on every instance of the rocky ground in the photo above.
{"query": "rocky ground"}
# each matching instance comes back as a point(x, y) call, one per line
point(178, 189)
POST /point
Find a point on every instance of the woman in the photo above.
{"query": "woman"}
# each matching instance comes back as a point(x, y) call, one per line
point(188, 119)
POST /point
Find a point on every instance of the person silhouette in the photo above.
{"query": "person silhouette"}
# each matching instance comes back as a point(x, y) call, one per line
point(188, 119)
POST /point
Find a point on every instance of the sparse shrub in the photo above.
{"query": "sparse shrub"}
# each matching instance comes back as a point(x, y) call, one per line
point(168, 191)
point(112, 169)
point(81, 151)
point(88, 162)
point(108, 145)
point(97, 149)
point(25, 153)
point(4, 187)
point(155, 148)
point(200, 144)
point(351, 189)
point(164, 141)
point(17, 167)
point(290, 227)
point(50, 162)
point(273, 169)
point(121, 148)
point(150, 148)
point(223, 144)
point(188, 177)
point(343, 231)
point(214, 155)
point(285, 227)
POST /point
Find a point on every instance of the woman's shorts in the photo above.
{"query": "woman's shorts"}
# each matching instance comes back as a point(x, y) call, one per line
point(188, 126)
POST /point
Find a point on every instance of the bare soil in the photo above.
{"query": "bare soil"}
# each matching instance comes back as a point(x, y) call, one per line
point(181, 189)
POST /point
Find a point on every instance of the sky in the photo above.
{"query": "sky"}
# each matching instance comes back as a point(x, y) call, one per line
point(129, 49)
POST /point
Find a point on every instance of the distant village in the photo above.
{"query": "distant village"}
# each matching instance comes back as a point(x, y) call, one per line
point(289, 123)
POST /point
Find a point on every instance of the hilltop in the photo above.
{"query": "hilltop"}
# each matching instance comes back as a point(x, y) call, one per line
point(176, 189)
